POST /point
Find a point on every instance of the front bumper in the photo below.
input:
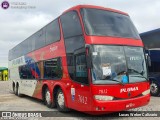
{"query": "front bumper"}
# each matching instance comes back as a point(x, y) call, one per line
point(102, 107)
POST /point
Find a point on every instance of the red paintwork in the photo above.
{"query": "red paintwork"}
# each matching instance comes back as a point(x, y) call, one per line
point(118, 105)
point(89, 91)
point(78, 7)
point(112, 41)
point(142, 86)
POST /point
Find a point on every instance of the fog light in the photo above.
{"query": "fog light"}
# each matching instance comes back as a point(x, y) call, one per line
point(97, 108)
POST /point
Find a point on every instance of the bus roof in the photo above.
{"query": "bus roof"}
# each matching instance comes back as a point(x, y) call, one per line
point(3, 68)
point(150, 32)
point(151, 39)
point(74, 8)
point(96, 7)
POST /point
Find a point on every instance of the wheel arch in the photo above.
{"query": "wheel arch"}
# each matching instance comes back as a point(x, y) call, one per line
point(151, 79)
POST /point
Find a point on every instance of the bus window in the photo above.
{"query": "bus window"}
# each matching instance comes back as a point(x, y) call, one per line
point(25, 72)
point(81, 69)
point(40, 39)
point(72, 32)
point(105, 23)
point(71, 24)
point(52, 69)
point(52, 32)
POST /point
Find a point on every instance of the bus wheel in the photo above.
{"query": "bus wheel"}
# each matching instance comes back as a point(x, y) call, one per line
point(154, 89)
point(18, 92)
point(14, 89)
point(60, 101)
point(48, 98)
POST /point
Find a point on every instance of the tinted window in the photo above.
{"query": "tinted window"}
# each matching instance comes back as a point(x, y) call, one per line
point(52, 32)
point(23, 48)
point(25, 72)
point(73, 38)
point(40, 39)
point(52, 69)
point(11, 54)
point(32, 42)
point(47, 35)
point(106, 23)
point(15, 54)
point(71, 24)
point(29, 44)
point(81, 69)
point(72, 45)
point(154, 59)
point(17, 51)
point(48, 69)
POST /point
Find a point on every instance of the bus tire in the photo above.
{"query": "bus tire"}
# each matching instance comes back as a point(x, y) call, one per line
point(18, 92)
point(47, 99)
point(14, 89)
point(154, 88)
point(60, 101)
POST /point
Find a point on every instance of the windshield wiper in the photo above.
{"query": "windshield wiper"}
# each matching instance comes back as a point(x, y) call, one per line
point(114, 80)
point(135, 71)
point(140, 76)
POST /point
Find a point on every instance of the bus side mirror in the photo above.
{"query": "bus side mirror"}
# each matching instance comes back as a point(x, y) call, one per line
point(88, 56)
point(148, 60)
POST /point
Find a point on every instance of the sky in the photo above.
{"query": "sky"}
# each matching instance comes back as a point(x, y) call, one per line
point(17, 24)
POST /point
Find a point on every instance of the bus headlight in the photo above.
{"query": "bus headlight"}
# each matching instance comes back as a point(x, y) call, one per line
point(103, 97)
point(146, 92)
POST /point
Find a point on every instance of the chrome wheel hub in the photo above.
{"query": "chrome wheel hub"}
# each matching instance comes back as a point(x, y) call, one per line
point(61, 99)
point(153, 88)
point(48, 98)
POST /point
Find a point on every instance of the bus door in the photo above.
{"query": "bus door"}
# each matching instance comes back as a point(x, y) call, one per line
point(80, 90)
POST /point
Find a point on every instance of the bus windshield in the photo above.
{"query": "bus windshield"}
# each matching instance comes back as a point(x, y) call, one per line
point(112, 63)
point(105, 23)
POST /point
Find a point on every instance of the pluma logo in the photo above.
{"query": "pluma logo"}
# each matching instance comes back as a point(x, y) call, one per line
point(128, 89)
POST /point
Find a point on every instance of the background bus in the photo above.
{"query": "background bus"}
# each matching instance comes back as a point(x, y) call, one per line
point(86, 64)
point(3, 73)
point(151, 41)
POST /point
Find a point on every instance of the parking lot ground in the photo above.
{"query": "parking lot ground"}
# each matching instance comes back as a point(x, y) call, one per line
point(10, 102)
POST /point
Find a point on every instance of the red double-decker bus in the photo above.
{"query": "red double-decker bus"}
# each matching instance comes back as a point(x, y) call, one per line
point(90, 59)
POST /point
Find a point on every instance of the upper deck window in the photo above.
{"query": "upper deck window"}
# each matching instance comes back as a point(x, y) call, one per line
point(52, 32)
point(71, 24)
point(105, 23)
